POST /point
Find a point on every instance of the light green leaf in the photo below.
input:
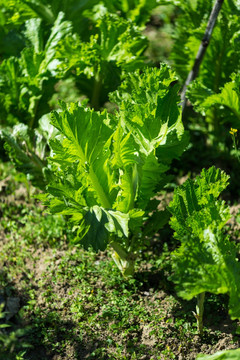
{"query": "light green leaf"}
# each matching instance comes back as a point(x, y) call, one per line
point(60, 29)
point(33, 33)
point(221, 355)
point(151, 175)
point(76, 123)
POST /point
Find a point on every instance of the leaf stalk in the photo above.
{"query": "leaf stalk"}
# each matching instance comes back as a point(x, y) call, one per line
point(125, 261)
point(199, 312)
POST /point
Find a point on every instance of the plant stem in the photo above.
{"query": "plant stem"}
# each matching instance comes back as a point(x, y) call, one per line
point(199, 312)
point(202, 49)
point(235, 146)
point(125, 261)
point(96, 93)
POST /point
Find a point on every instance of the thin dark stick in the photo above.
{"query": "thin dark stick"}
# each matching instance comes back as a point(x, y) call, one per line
point(202, 49)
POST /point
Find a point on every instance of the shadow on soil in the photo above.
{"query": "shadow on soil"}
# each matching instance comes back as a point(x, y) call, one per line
point(37, 337)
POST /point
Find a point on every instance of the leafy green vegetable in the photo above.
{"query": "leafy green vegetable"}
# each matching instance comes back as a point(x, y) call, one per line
point(206, 259)
point(26, 83)
point(27, 149)
point(107, 167)
point(117, 45)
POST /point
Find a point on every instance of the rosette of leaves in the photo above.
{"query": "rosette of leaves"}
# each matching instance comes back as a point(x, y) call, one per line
point(206, 259)
point(26, 85)
point(108, 167)
point(115, 46)
point(27, 82)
